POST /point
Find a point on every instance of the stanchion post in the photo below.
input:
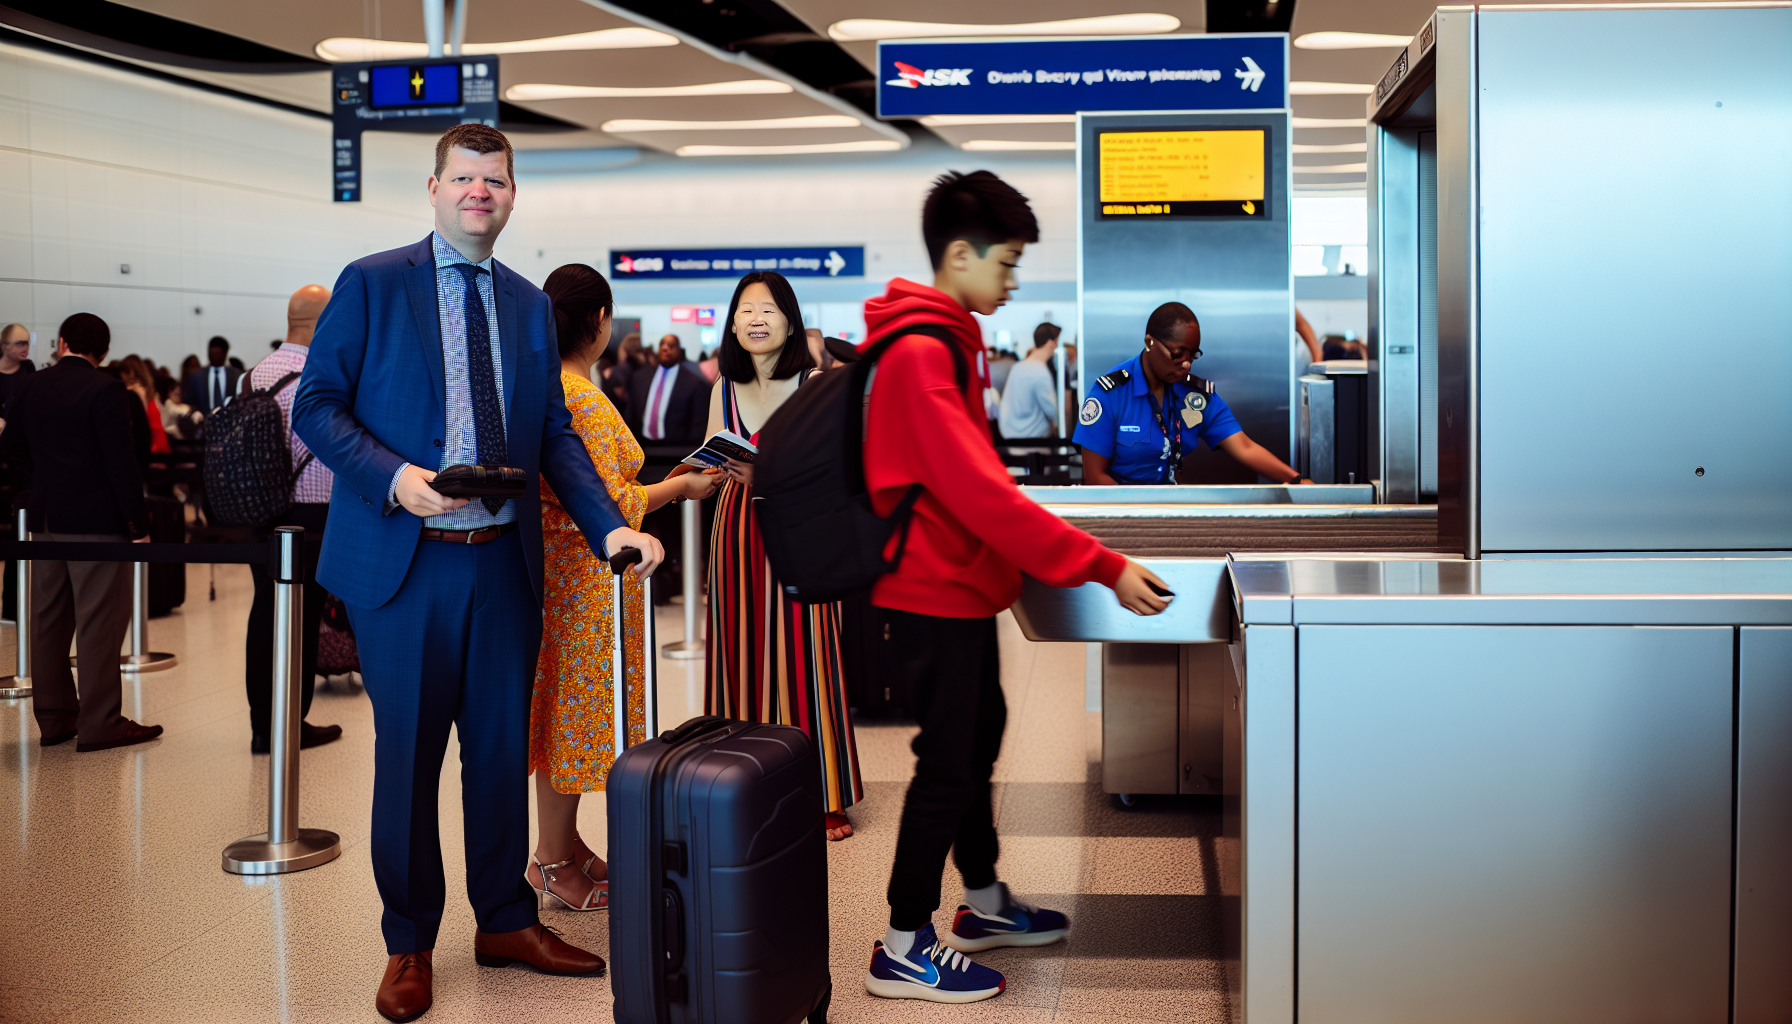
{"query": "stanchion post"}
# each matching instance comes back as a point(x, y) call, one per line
point(18, 685)
point(141, 658)
point(285, 847)
point(690, 528)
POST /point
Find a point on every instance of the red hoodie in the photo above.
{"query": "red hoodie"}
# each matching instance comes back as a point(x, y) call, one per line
point(973, 532)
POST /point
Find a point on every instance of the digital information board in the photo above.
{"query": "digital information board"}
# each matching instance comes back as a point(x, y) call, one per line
point(1196, 173)
point(405, 96)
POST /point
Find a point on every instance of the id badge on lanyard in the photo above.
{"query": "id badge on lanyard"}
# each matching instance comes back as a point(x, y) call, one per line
point(1172, 456)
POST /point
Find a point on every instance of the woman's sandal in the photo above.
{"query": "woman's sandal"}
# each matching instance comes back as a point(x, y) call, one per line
point(547, 899)
point(838, 827)
point(586, 858)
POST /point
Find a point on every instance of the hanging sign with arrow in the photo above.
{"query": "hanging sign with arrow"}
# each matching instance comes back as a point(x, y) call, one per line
point(1063, 76)
point(664, 264)
point(428, 96)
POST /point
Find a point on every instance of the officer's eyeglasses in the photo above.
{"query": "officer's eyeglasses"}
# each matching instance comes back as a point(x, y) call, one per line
point(1177, 355)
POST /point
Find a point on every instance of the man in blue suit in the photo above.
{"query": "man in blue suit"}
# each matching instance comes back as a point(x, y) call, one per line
point(430, 356)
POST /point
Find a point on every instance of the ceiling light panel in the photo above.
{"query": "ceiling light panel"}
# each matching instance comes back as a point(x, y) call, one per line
point(1330, 88)
point(344, 49)
point(860, 30)
point(954, 120)
point(626, 126)
point(1014, 146)
point(530, 92)
point(1342, 147)
point(867, 146)
point(1348, 41)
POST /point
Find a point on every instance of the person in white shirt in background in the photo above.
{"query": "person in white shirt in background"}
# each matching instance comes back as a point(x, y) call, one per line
point(1030, 401)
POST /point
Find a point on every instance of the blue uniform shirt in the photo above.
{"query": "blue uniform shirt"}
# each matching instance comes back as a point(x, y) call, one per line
point(1120, 425)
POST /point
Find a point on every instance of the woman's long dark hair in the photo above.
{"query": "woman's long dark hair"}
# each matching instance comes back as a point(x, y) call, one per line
point(736, 363)
point(581, 297)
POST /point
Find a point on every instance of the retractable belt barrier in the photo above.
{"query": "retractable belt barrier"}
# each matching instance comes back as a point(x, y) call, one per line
point(284, 846)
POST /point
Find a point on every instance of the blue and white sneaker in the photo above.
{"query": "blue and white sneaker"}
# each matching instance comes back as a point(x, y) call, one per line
point(1018, 924)
point(930, 971)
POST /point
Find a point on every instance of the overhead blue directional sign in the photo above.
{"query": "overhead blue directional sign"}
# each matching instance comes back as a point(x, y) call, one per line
point(663, 264)
point(1063, 76)
point(430, 95)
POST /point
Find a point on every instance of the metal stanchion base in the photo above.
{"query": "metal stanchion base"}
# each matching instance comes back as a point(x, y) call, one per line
point(256, 856)
point(15, 687)
point(154, 661)
point(683, 650)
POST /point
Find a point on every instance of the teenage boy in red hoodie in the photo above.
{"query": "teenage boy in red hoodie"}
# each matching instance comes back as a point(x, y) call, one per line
point(972, 535)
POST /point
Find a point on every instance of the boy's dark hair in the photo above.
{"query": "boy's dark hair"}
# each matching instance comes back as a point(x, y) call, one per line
point(86, 335)
point(978, 207)
point(1167, 317)
point(581, 297)
point(736, 363)
point(1044, 333)
point(217, 342)
point(480, 139)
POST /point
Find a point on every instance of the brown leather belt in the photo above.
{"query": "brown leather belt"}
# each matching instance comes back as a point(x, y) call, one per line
point(485, 536)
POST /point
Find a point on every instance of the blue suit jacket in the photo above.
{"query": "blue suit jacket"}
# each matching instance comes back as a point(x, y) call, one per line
point(372, 399)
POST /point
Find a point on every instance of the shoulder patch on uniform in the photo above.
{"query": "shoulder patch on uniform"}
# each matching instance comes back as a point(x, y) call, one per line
point(1090, 413)
point(1110, 381)
point(1200, 384)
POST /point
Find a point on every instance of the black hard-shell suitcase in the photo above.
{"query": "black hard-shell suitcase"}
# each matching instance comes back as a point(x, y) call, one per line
point(167, 580)
point(718, 868)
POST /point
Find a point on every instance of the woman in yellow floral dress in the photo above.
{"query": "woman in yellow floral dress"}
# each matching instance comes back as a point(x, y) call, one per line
point(570, 733)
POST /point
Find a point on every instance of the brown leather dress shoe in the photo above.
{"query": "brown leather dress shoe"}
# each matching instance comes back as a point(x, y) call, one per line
point(407, 990)
point(129, 732)
point(538, 946)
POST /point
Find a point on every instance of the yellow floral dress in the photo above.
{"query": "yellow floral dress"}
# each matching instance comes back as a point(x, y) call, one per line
point(570, 732)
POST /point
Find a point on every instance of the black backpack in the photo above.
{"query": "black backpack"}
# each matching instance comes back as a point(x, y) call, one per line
point(821, 536)
point(249, 473)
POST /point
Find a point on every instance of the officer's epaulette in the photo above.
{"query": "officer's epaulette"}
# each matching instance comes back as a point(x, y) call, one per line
point(1200, 384)
point(1112, 380)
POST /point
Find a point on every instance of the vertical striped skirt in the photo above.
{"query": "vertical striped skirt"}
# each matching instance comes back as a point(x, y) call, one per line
point(773, 660)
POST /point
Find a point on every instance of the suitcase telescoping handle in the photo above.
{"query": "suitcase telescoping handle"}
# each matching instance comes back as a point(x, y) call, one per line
point(619, 563)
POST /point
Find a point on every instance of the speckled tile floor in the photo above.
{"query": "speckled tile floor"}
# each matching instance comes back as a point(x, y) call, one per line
point(113, 905)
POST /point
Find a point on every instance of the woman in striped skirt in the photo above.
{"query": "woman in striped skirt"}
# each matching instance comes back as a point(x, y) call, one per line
point(771, 659)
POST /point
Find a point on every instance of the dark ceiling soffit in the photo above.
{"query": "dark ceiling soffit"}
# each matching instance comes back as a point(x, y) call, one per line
point(511, 117)
point(764, 30)
point(1249, 15)
point(140, 35)
point(51, 46)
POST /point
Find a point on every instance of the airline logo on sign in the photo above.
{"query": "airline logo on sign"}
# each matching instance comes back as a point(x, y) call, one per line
point(910, 77)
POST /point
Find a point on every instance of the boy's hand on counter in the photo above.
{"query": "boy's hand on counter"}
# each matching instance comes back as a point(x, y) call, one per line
point(1135, 593)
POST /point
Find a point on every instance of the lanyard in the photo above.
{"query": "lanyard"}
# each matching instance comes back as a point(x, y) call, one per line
point(1171, 438)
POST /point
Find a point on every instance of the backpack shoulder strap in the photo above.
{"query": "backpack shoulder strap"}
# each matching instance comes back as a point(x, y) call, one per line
point(280, 385)
point(961, 369)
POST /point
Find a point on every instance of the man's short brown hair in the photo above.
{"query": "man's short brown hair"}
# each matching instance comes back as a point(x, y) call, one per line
point(480, 139)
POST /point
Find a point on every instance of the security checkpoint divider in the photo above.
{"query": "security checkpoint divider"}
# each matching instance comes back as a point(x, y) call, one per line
point(18, 685)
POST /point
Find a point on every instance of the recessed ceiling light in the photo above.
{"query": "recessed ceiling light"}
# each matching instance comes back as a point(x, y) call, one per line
point(862, 30)
point(1342, 147)
point(1326, 122)
point(868, 146)
point(1348, 40)
point(537, 91)
point(627, 126)
point(1332, 169)
point(949, 120)
point(1330, 88)
point(1012, 145)
point(342, 49)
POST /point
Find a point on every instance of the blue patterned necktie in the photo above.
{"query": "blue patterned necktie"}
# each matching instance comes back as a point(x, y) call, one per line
point(488, 418)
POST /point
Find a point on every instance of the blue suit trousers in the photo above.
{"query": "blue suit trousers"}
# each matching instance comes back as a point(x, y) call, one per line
point(456, 646)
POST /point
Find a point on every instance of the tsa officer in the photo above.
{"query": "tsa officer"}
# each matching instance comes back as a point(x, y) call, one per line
point(1146, 412)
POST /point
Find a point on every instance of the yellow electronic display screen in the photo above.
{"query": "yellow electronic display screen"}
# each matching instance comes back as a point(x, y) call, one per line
point(1202, 173)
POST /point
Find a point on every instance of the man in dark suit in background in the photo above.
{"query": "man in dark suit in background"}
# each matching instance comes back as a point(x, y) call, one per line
point(215, 384)
point(668, 399)
point(71, 438)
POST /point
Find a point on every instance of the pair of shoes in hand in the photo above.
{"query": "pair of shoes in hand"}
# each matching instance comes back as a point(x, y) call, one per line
point(407, 990)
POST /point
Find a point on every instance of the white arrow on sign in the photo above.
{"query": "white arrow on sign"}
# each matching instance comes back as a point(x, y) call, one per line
point(835, 263)
point(1251, 75)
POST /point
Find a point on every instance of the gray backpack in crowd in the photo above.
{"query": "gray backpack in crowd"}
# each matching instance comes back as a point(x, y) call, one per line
point(249, 474)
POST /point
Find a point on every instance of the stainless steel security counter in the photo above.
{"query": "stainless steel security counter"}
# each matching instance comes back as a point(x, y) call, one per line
point(1504, 791)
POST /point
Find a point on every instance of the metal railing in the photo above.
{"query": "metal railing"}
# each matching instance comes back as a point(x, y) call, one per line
point(284, 846)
